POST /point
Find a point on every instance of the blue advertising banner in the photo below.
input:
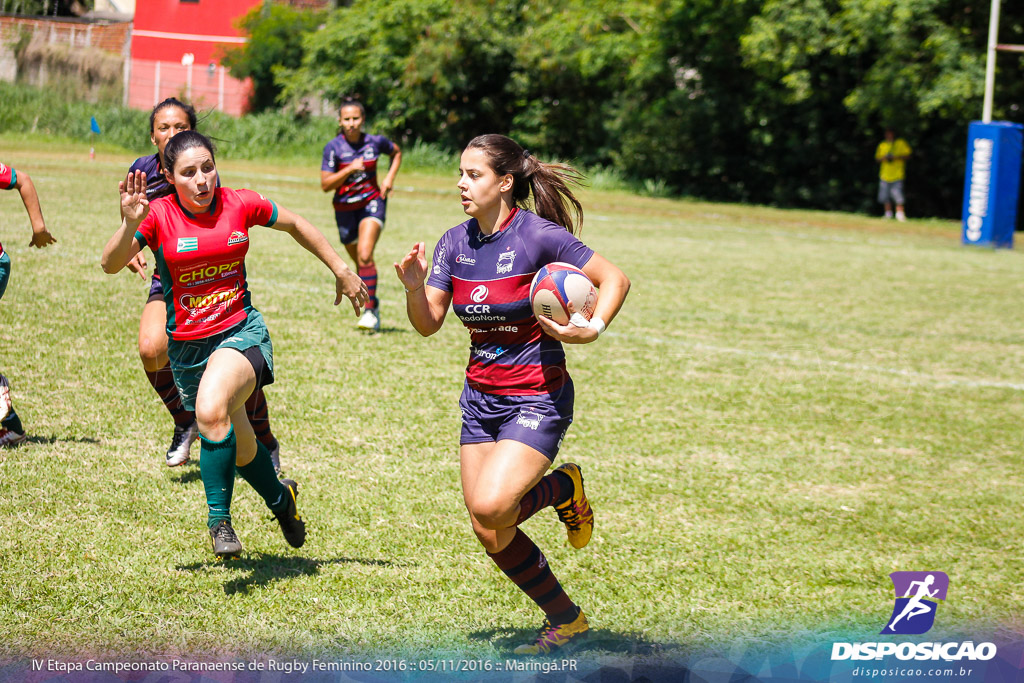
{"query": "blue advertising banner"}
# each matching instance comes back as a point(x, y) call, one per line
point(992, 183)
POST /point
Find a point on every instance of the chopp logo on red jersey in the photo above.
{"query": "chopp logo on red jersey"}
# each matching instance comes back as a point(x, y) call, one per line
point(237, 237)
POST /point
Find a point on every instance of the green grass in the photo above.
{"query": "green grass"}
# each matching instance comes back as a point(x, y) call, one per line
point(790, 406)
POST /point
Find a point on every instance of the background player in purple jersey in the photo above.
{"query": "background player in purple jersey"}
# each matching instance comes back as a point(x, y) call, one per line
point(11, 430)
point(167, 119)
point(518, 399)
point(219, 346)
point(350, 169)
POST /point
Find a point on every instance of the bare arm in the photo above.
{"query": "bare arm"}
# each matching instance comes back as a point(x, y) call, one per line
point(388, 183)
point(425, 304)
point(613, 286)
point(346, 283)
point(41, 237)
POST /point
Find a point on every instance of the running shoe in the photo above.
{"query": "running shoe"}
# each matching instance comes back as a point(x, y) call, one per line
point(292, 526)
point(576, 513)
point(370, 322)
point(181, 444)
point(225, 541)
point(10, 437)
point(553, 637)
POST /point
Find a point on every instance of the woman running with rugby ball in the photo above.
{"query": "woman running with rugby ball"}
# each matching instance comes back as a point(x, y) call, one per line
point(219, 348)
point(517, 401)
point(12, 432)
point(167, 119)
point(350, 169)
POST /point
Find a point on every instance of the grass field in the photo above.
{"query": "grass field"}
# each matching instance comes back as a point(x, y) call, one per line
point(790, 406)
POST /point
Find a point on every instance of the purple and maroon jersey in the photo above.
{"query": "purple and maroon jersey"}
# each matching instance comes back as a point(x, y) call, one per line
point(360, 187)
point(201, 259)
point(8, 179)
point(156, 183)
point(489, 277)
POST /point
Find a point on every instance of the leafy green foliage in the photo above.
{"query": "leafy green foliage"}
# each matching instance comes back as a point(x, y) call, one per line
point(275, 43)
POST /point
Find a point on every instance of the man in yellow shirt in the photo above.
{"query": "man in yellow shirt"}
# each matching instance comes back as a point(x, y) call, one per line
point(892, 154)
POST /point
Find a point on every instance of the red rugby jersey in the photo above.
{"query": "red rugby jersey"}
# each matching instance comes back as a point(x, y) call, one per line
point(8, 177)
point(201, 259)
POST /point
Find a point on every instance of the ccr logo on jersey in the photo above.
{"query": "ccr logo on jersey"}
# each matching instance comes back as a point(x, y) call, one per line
point(917, 596)
point(479, 293)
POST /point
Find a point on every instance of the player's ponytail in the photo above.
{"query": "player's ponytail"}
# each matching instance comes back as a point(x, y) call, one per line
point(550, 184)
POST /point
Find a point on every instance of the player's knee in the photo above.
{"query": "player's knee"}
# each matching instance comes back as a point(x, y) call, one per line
point(212, 418)
point(152, 348)
point(491, 512)
point(365, 260)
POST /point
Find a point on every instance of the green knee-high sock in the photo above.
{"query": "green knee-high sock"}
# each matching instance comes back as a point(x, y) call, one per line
point(217, 467)
point(261, 476)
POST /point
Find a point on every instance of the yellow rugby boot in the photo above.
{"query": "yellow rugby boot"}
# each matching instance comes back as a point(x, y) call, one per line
point(576, 513)
point(552, 637)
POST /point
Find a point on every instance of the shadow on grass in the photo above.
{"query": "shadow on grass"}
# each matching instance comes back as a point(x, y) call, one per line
point(266, 568)
point(597, 640)
point(391, 330)
point(188, 476)
point(35, 438)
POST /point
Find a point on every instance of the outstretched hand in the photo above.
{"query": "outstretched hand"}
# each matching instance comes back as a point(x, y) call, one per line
point(41, 238)
point(350, 285)
point(412, 269)
point(138, 265)
point(134, 202)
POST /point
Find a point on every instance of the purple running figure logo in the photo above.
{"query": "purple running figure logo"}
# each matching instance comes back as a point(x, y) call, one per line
point(917, 596)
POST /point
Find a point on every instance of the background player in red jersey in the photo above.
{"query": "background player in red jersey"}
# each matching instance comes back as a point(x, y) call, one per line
point(167, 119)
point(350, 169)
point(219, 347)
point(11, 430)
point(517, 401)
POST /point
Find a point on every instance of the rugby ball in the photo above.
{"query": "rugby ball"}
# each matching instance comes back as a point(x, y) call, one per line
point(555, 285)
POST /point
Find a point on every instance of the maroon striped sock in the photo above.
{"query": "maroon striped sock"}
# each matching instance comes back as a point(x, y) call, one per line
point(259, 418)
point(163, 383)
point(368, 274)
point(551, 490)
point(524, 563)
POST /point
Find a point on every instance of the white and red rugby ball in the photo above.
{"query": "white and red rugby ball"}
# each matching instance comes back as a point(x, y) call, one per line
point(555, 285)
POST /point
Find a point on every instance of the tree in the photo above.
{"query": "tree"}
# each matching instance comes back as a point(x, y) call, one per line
point(275, 35)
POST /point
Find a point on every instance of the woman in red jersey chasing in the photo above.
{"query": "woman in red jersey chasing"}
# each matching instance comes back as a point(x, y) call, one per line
point(167, 119)
point(218, 345)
